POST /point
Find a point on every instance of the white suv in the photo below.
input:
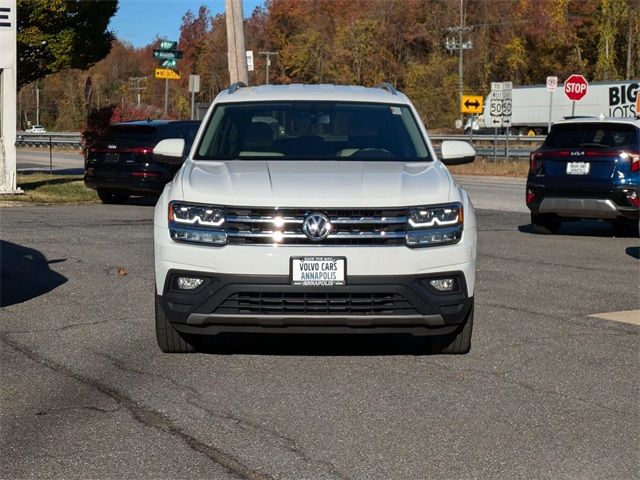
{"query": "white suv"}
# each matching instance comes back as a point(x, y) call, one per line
point(314, 208)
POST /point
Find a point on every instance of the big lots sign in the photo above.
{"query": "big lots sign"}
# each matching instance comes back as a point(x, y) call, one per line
point(575, 87)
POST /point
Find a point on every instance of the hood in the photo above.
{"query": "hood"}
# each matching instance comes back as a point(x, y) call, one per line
point(328, 184)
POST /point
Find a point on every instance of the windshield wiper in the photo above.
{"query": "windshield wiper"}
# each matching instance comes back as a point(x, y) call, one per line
point(594, 145)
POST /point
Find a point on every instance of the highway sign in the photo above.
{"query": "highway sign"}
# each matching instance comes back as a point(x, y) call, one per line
point(194, 83)
point(169, 63)
point(500, 104)
point(471, 104)
point(167, 74)
point(552, 83)
point(167, 54)
point(575, 87)
point(168, 45)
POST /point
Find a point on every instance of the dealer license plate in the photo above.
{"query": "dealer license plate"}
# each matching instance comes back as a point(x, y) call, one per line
point(111, 157)
point(318, 271)
point(578, 168)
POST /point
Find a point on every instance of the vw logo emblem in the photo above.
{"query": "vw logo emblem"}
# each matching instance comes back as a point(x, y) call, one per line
point(316, 226)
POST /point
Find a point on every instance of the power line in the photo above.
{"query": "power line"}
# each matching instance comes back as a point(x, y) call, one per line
point(451, 44)
point(268, 62)
point(138, 88)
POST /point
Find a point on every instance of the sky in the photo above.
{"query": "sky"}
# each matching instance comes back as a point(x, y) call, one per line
point(139, 22)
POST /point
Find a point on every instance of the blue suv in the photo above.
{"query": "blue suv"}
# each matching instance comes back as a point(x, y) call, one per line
point(587, 168)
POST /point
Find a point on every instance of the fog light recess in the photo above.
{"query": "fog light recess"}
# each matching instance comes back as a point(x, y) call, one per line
point(188, 283)
point(444, 284)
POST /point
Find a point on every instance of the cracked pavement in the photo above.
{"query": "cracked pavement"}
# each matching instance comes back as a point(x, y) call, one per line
point(547, 391)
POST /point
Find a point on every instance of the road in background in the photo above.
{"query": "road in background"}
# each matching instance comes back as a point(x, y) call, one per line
point(63, 161)
point(547, 391)
point(495, 193)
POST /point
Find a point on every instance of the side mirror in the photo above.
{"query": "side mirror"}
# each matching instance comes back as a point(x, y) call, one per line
point(169, 150)
point(455, 152)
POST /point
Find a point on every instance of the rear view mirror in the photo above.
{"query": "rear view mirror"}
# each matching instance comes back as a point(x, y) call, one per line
point(455, 152)
point(169, 150)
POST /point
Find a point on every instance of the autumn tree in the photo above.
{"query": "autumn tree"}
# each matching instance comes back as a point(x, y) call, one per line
point(58, 34)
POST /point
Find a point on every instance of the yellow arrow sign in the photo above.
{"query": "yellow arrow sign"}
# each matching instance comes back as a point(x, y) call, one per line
point(471, 104)
point(167, 73)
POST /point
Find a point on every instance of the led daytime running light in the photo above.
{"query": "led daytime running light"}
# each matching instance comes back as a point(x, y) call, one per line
point(435, 213)
point(195, 215)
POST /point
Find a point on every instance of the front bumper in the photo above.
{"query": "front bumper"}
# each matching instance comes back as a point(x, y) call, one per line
point(269, 303)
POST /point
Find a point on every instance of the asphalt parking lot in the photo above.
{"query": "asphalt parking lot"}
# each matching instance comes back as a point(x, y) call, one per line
point(548, 390)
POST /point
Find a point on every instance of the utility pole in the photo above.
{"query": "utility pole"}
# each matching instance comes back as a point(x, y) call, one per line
point(166, 96)
point(268, 62)
point(137, 87)
point(451, 44)
point(235, 41)
point(37, 103)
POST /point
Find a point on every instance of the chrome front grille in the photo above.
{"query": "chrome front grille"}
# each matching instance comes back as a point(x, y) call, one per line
point(284, 226)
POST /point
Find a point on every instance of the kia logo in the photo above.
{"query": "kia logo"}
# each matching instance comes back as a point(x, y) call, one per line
point(112, 146)
point(316, 226)
point(576, 154)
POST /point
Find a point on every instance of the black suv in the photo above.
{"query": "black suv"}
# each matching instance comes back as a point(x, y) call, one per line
point(587, 168)
point(123, 164)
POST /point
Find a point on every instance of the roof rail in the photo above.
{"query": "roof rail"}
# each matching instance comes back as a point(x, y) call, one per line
point(388, 87)
point(235, 86)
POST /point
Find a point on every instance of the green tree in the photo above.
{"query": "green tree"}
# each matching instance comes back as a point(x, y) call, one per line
point(54, 35)
point(612, 20)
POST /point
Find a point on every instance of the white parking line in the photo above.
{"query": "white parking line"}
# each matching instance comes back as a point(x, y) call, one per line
point(627, 316)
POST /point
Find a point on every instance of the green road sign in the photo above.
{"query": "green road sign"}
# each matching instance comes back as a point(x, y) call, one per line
point(169, 63)
point(168, 45)
point(167, 54)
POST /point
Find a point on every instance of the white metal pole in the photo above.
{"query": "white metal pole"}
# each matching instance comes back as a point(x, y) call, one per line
point(550, 110)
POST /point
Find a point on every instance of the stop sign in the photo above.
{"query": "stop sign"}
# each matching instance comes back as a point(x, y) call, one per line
point(575, 87)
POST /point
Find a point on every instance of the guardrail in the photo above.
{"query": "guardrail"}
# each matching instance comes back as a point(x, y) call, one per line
point(48, 139)
point(490, 146)
point(494, 147)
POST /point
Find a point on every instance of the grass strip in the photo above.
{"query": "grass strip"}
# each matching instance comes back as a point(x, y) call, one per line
point(499, 168)
point(45, 188)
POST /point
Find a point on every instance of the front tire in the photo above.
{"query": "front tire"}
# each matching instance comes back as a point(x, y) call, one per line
point(545, 223)
point(456, 343)
point(169, 339)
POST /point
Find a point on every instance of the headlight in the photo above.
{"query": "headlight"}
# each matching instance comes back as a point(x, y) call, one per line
point(189, 222)
point(434, 225)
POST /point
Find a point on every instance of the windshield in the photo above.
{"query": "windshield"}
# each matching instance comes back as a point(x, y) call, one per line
point(133, 134)
point(312, 130)
point(149, 134)
point(592, 135)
